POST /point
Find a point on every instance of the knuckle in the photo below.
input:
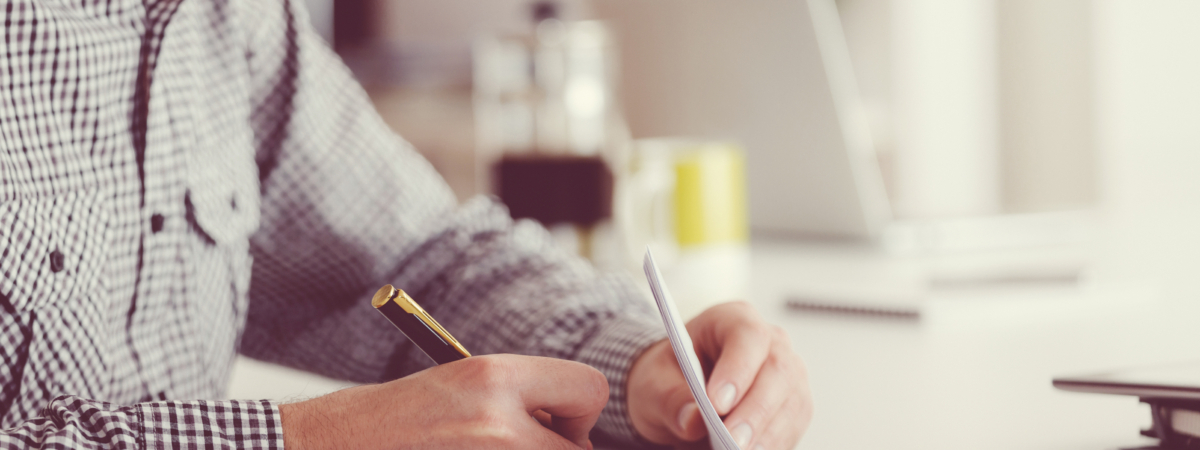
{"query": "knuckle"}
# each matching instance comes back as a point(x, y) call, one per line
point(759, 412)
point(743, 309)
point(793, 368)
point(742, 305)
point(597, 385)
point(735, 308)
point(744, 315)
point(487, 372)
point(779, 333)
point(591, 384)
point(496, 428)
point(779, 364)
point(510, 438)
point(800, 368)
point(763, 334)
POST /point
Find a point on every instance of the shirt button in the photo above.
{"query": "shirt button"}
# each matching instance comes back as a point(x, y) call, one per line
point(156, 223)
point(56, 261)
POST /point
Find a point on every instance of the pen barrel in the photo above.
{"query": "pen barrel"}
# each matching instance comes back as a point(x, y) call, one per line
point(420, 334)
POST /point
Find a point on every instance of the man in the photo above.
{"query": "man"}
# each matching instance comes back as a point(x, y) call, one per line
point(153, 148)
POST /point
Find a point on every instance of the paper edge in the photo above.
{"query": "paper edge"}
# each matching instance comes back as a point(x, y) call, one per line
point(670, 317)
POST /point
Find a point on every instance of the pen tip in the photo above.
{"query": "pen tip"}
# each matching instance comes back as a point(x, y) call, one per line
point(383, 295)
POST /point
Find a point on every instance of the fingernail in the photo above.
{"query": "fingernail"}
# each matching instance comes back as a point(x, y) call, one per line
point(741, 435)
point(685, 415)
point(725, 398)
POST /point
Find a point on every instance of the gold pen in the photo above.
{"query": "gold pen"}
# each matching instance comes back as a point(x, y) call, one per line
point(418, 325)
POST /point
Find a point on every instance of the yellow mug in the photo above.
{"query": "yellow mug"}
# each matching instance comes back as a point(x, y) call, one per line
point(710, 195)
point(679, 194)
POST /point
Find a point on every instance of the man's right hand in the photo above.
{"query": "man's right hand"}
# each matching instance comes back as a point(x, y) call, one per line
point(492, 402)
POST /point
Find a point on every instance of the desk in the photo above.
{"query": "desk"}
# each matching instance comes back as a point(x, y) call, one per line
point(973, 373)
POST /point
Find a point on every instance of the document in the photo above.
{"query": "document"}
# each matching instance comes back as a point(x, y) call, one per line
point(685, 354)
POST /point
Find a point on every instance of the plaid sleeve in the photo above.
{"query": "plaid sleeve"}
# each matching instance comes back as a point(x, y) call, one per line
point(348, 207)
point(75, 423)
point(612, 351)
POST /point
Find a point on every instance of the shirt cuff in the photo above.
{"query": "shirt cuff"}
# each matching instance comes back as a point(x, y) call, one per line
point(240, 424)
point(612, 351)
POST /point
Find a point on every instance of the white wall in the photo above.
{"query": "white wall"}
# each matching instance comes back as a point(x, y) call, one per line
point(980, 106)
point(944, 108)
point(1047, 119)
point(430, 40)
point(1148, 106)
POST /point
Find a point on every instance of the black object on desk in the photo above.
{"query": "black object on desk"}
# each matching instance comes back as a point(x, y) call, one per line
point(1170, 434)
point(1172, 391)
point(556, 188)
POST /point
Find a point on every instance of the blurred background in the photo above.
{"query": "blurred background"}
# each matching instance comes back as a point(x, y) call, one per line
point(915, 189)
point(915, 126)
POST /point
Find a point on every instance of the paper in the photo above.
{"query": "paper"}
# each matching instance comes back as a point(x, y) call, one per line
point(681, 342)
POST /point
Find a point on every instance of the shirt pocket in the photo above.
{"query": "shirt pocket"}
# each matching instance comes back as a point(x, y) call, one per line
point(223, 198)
point(52, 248)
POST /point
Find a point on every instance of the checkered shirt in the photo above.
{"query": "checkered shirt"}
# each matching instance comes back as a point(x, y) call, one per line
point(152, 149)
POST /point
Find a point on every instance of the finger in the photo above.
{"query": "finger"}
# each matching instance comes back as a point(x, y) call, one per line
point(739, 343)
point(543, 418)
point(688, 424)
point(762, 404)
point(536, 436)
point(787, 427)
point(571, 392)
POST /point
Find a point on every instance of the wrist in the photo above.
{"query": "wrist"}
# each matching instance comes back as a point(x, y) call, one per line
point(620, 342)
point(294, 419)
point(641, 392)
point(334, 420)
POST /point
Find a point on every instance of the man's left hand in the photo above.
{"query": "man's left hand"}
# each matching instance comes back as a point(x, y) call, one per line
point(756, 382)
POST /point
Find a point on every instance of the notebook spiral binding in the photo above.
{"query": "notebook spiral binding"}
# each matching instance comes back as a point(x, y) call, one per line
point(898, 313)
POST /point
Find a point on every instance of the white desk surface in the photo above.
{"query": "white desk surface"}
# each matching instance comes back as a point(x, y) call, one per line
point(973, 373)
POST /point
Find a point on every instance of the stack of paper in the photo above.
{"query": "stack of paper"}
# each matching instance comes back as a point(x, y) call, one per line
point(681, 343)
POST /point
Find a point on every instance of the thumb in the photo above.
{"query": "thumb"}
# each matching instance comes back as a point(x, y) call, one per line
point(572, 393)
point(660, 404)
point(682, 414)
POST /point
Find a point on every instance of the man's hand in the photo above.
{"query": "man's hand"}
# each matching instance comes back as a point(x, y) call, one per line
point(493, 402)
point(756, 382)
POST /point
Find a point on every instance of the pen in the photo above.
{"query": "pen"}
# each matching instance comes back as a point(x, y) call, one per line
point(418, 325)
